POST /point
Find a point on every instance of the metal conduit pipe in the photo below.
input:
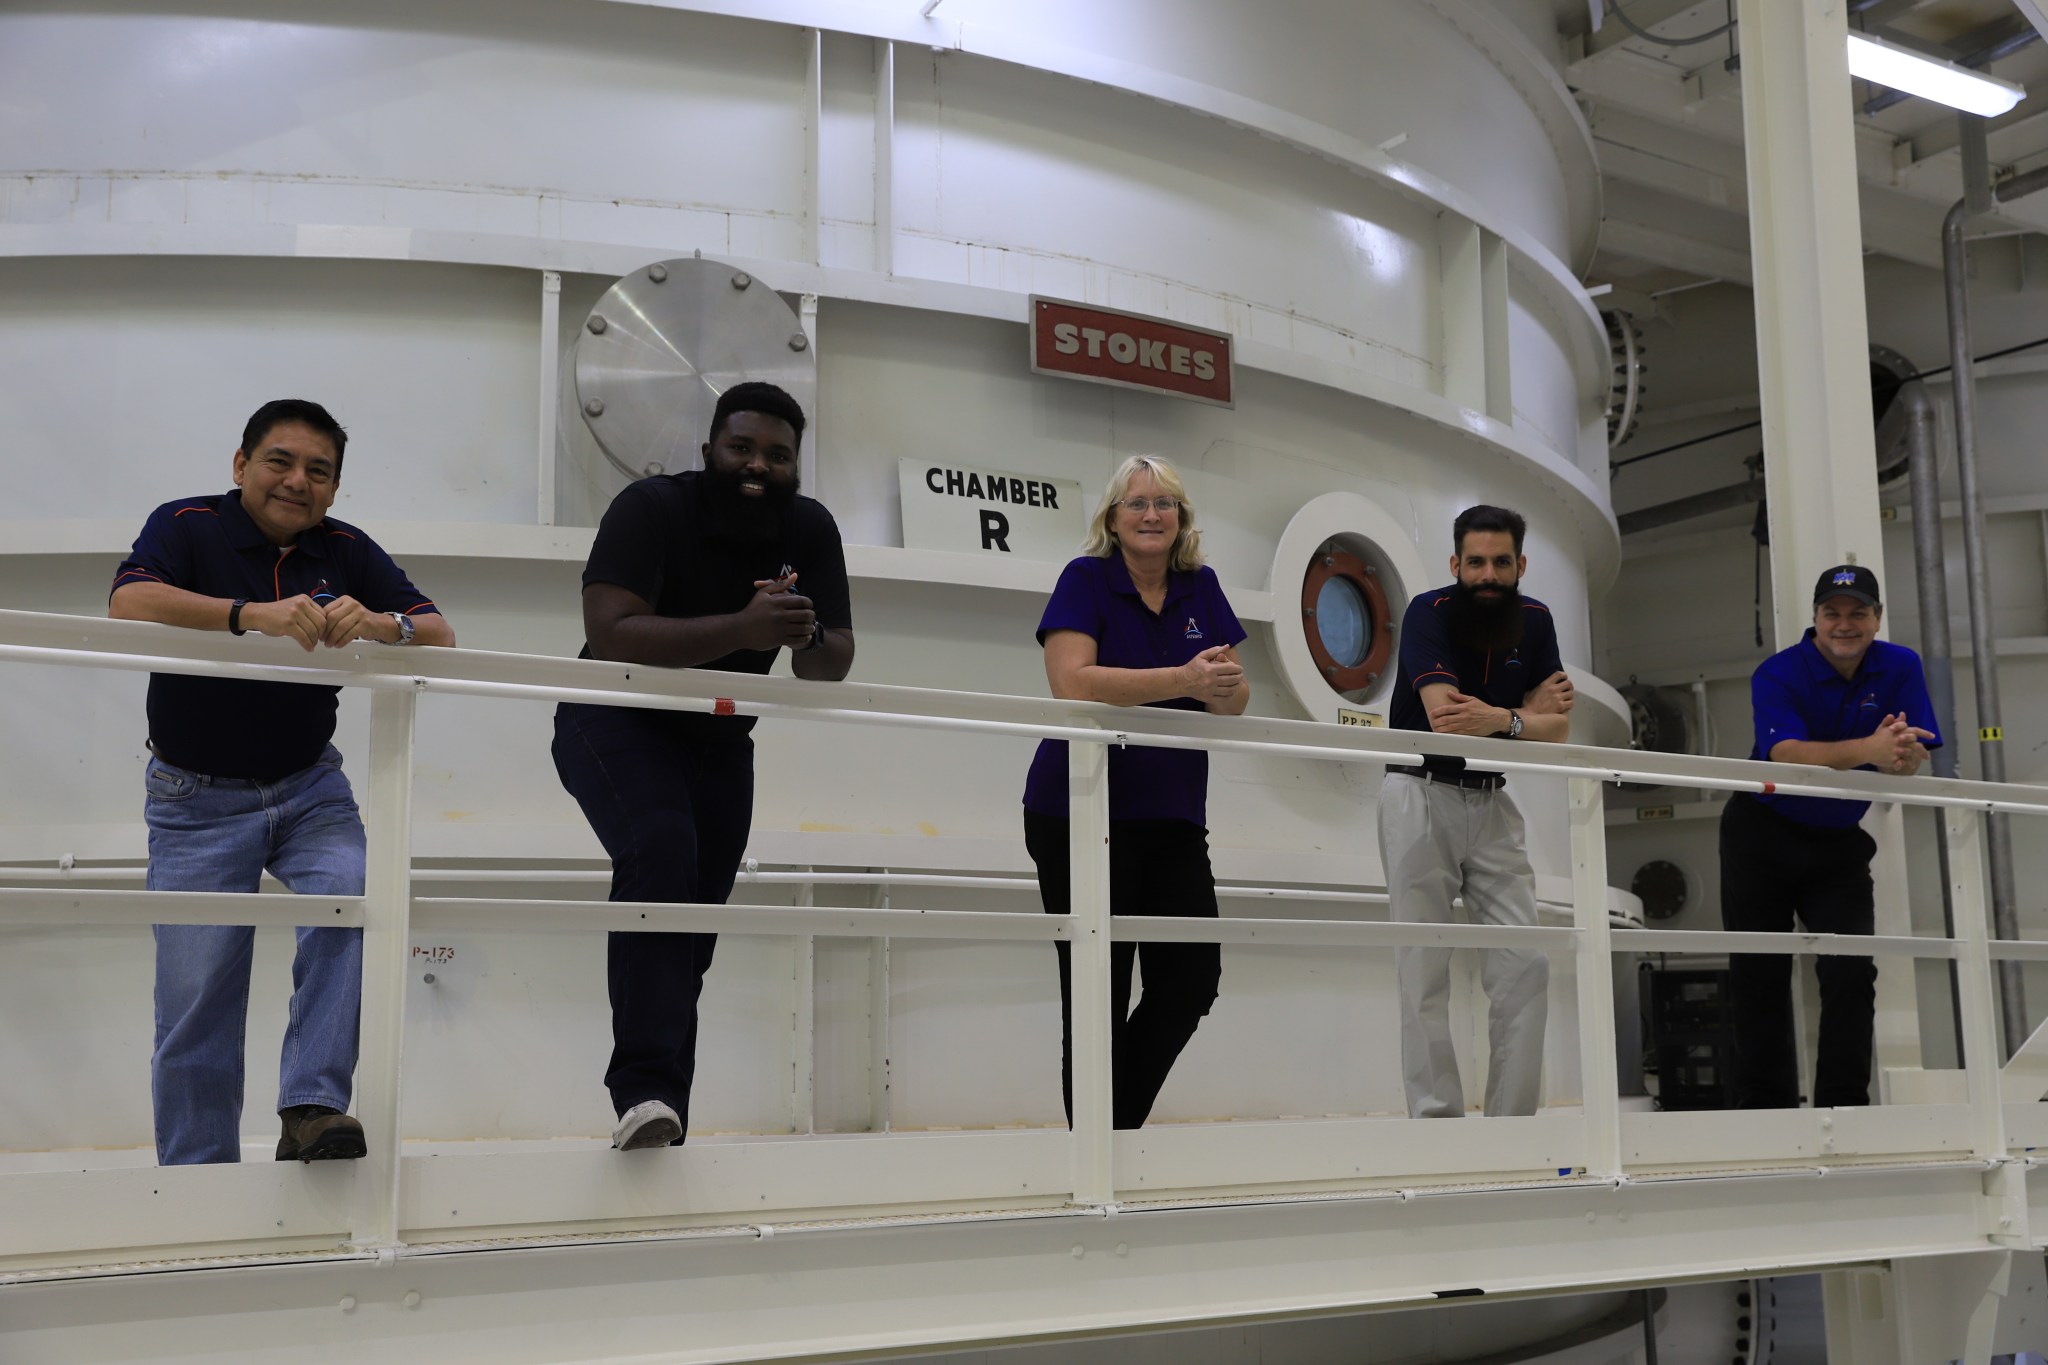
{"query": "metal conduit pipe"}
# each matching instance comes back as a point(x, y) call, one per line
point(1983, 646)
point(1930, 573)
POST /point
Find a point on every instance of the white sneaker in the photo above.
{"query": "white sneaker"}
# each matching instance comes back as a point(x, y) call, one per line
point(649, 1123)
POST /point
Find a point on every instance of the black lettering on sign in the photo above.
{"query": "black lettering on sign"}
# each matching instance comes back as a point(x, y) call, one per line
point(995, 530)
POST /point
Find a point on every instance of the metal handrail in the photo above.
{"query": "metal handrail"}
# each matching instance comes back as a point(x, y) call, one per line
point(35, 637)
point(390, 910)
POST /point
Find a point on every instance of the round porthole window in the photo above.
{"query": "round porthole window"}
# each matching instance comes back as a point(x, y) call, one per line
point(1344, 619)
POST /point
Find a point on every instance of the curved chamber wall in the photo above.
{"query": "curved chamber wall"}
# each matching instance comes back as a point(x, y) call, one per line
point(1385, 205)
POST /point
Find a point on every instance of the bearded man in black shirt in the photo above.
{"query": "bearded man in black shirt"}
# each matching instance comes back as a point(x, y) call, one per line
point(693, 570)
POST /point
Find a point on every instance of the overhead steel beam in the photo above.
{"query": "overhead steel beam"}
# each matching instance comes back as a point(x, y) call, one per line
point(1659, 246)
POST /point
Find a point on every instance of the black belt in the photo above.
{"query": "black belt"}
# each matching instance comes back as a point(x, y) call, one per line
point(1484, 782)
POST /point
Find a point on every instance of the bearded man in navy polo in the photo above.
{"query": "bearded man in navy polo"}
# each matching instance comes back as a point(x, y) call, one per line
point(243, 778)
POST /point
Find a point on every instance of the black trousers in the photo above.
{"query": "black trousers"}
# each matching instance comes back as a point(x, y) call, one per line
point(1156, 867)
point(1772, 869)
point(673, 810)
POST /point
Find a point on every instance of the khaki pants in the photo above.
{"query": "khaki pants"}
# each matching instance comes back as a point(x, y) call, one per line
point(1436, 842)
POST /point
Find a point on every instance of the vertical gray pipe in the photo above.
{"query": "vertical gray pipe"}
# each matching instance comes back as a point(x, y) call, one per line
point(1983, 646)
point(1937, 652)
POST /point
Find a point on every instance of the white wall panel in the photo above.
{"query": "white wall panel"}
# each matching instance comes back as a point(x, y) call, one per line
point(1464, 121)
point(129, 380)
point(663, 131)
point(987, 162)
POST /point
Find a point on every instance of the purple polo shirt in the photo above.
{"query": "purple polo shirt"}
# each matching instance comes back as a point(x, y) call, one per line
point(1097, 598)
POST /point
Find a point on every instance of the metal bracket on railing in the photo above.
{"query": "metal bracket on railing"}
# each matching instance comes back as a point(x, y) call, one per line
point(763, 1231)
point(419, 684)
point(1123, 741)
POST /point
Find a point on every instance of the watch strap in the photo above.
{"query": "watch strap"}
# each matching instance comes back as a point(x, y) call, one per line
point(235, 626)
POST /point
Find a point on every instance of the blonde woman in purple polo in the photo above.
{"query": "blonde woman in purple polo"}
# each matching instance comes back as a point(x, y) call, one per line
point(1138, 620)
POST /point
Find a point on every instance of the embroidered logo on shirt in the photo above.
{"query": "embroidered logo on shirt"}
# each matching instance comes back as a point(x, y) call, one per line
point(1194, 631)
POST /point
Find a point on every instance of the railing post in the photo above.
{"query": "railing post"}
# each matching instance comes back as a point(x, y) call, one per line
point(1088, 990)
point(1978, 999)
point(387, 918)
point(2005, 1194)
point(1598, 1080)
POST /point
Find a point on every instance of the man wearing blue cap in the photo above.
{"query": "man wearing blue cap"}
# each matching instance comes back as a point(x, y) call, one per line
point(1840, 698)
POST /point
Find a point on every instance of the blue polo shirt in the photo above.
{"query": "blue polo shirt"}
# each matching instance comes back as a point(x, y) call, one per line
point(235, 727)
point(1429, 655)
point(1797, 694)
point(1096, 597)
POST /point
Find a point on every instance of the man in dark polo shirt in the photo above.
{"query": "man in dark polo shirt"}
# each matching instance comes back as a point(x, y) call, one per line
point(244, 779)
point(1477, 658)
point(1840, 698)
point(719, 570)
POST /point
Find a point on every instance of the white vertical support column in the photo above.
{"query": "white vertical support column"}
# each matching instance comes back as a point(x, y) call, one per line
point(1896, 1033)
point(1862, 1324)
point(807, 457)
point(1473, 296)
point(885, 157)
point(1088, 848)
point(1982, 1056)
point(803, 1067)
point(550, 387)
point(814, 135)
point(879, 1118)
point(2005, 1191)
point(387, 938)
point(1599, 1078)
point(1813, 337)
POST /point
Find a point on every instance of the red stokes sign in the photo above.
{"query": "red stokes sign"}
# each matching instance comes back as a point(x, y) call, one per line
point(1129, 349)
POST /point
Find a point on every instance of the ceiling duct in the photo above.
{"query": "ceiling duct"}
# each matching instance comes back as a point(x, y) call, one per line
point(1625, 388)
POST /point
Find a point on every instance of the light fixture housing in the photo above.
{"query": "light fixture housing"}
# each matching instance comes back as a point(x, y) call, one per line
point(1916, 73)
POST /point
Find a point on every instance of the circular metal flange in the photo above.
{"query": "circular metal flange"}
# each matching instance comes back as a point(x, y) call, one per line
point(673, 337)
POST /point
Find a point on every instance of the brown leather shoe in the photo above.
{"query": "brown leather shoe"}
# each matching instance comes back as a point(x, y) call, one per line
point(313, 1132)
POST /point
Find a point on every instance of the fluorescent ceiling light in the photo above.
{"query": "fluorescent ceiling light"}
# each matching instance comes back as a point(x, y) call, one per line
point(1901, 68)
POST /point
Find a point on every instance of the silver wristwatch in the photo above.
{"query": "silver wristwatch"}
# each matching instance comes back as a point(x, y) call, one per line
point(1514, 723)
point(404, 627)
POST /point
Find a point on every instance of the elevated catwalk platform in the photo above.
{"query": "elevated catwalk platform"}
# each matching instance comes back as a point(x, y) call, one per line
point(824, 1244)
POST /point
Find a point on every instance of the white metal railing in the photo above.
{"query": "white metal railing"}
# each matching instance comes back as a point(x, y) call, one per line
point(388, 1200)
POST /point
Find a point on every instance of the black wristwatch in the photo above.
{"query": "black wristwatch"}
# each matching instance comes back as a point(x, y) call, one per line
point(817, 637)
point(235, 616)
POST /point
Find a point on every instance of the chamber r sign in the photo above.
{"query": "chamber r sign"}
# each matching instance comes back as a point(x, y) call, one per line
point(950, 506)
point(1130, 350)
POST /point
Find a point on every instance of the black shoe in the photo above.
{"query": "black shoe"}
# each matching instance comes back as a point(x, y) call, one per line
point(313, 1132)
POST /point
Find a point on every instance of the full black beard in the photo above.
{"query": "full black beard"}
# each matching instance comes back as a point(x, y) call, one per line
point(735, 516)
point(1480, 624)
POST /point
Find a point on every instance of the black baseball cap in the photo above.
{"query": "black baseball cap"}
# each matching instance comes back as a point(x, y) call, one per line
point(1847, 580)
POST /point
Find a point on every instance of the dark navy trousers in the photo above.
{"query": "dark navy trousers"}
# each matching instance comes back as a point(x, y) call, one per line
point(673, 808)
point(1772, 869)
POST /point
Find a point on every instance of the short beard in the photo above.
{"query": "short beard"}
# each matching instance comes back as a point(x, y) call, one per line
point(739, 517)
point(1479, 624)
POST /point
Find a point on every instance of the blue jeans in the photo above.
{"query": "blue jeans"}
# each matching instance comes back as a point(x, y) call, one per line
point(219, 834)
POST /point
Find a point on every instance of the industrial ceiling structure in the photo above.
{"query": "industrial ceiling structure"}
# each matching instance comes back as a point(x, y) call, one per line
point(1666, 119)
